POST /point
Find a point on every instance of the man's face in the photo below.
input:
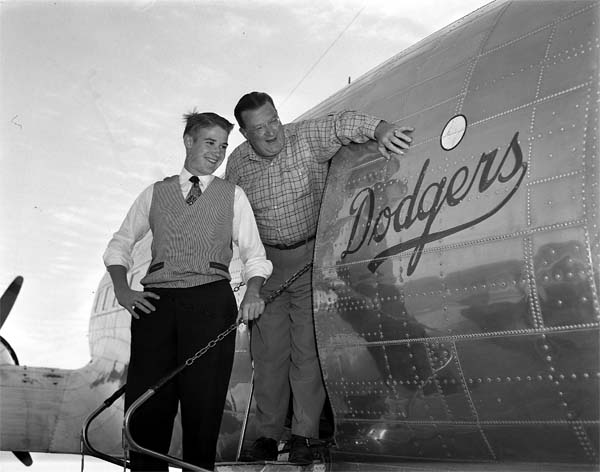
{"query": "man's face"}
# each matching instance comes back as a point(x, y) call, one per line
point(263, 130)
point(206, 150)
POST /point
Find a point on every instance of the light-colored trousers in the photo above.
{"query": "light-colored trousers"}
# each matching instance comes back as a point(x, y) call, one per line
point(284, 351)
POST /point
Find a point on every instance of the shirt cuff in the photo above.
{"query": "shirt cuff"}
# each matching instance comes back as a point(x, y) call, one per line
point(371, 125)
point(262, 269)
point(116, 259)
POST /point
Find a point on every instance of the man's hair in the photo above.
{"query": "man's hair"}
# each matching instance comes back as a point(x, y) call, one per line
point(195, 121)
point(251, 101)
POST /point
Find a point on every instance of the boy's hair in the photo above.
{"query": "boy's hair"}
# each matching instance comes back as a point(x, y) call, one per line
point(195, 121)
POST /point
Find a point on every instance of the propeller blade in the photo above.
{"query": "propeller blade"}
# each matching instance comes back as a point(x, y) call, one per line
point(24, 457)
point(8, 298)
point(6, 303)
point(10, 350)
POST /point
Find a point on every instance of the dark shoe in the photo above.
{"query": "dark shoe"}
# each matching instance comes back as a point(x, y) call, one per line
point(300, 452)
point(263, 449)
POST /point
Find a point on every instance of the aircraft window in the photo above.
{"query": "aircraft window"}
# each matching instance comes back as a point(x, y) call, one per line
point(453, 132)
point(106, 303)
point(135, 280)
point(100, 299)
point(115, 302)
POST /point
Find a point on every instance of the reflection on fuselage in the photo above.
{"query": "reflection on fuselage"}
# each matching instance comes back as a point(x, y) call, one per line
point(456, 289)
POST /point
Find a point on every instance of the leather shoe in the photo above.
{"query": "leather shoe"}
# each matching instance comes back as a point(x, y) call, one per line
point(263, 449)
point(300, 452)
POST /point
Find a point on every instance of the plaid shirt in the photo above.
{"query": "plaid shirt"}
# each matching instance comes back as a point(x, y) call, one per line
point(285, 192)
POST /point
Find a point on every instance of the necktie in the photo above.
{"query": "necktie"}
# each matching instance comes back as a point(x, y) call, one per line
point(194, 192)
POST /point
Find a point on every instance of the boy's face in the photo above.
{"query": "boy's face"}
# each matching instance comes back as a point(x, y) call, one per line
point(206, 150)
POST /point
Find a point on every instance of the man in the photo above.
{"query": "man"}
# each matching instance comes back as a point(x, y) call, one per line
point(187, 299)
point(282, 169)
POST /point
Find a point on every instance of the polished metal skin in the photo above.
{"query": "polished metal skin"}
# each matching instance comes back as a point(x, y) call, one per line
point(456, 288)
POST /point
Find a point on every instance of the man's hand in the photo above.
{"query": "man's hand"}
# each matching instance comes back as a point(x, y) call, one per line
point(132, 299)
point(392, 138)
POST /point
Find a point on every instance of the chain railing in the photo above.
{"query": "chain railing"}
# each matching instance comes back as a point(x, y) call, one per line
point(85, 443)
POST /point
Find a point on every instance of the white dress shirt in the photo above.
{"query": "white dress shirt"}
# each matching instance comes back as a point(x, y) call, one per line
point(244, 232)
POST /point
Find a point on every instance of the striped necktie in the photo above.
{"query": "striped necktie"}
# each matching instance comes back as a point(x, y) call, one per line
point(194, 192)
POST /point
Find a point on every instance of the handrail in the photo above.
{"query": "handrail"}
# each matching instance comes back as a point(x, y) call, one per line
point(136, 447)
point(245, 423)
point(86, 425)
point(152, 390)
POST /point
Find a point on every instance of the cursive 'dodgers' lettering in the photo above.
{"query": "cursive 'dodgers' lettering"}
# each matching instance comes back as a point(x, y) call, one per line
point(414, 206)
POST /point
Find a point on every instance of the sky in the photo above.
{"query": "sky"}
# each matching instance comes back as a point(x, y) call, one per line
point(92, 95)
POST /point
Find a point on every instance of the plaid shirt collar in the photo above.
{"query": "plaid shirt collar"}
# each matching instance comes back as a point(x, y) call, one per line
point(290, 137)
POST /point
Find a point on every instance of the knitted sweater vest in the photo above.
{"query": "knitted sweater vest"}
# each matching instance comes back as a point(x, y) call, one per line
point(191, 244)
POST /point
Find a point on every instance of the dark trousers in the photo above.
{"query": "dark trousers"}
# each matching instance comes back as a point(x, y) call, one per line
point(185, 320)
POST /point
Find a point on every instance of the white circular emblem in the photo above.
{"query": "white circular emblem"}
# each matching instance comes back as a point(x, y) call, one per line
point(453, 132)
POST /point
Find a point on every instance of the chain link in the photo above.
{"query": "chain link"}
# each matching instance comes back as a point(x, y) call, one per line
point(287, 283)
point(234, 326)
point(237, 287)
